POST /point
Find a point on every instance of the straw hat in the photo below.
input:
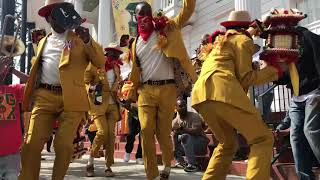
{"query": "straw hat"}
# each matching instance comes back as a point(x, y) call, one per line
point(8, 42)
point(114, 47)
point(238, 18)
point(48, 6)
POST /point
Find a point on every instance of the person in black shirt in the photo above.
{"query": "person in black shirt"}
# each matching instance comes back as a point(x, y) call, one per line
point(134, 129)
point(305, 108)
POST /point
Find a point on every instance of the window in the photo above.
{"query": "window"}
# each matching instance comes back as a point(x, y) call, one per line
point(311, 8)
point(167, 3)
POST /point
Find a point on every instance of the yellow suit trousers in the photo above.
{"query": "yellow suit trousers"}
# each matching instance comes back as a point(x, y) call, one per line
point(106, 132)
point(223, 119)
point(156, 110)
point(48, 106)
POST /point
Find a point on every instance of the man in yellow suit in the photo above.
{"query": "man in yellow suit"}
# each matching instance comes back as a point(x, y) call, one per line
point(155, 52)
point(220, 96)
point(56, 90)
point(106, 114)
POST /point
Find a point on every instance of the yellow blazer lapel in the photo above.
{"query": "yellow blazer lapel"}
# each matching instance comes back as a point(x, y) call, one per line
point(40, 49)
point(65, 56)
point(31, 84)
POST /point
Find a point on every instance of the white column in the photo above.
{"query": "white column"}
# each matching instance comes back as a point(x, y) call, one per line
point(253, 6)
point(156, 5)
point(105, 23)
point(78, 6)
point(186, 32)
point(291, 3)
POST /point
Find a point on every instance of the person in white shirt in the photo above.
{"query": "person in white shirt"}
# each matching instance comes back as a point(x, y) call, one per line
point(56, 90)
point(107, 113)
point(157, 55)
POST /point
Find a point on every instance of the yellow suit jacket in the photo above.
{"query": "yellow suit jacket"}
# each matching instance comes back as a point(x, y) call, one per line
point(227, 73)
point(174, 48)
point(91, 77)
point(74, 60)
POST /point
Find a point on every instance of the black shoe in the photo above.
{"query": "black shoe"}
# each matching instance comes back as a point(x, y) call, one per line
point(164, 175)
point(181, 164)
point(90, 171)
point(49, 144)
point(191, 168)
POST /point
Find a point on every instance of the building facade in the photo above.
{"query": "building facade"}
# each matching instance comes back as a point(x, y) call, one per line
point(209, 14)
point(207, 17)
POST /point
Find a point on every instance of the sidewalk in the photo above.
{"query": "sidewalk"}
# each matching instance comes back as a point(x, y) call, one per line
point(124, 171)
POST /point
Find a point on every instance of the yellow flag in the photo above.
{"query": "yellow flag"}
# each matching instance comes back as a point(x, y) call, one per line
point(121, 16)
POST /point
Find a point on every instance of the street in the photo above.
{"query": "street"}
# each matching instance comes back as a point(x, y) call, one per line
point(127, 171)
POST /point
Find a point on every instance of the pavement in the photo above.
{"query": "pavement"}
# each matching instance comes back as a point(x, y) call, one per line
point(127, 171)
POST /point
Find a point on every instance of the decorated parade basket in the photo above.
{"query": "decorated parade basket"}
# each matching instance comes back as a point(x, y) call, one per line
point(282, 41)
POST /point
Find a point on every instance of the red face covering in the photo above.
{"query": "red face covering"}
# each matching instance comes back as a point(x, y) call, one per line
point(111, 62)
point(145, 33)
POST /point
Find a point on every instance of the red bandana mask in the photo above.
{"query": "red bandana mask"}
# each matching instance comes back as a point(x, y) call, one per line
point(111, 62)
point(145, 34)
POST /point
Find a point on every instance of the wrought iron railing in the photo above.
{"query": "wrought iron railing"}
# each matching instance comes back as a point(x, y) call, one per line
point(280, 101)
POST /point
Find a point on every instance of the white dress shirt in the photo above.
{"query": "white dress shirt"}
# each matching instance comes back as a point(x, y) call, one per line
point(111, 79)
point(154, 63)
point(125, 69)
point(51, 56)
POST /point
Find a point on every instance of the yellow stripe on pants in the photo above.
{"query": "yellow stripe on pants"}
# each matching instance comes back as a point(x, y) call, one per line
point(48, 107)
point(106, 133)
point(156, 109)
point(222, 119)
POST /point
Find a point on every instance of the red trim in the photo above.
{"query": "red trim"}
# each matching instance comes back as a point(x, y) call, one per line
point(273, 57)
point(280, 71)
point(111, 62)
point(213, 36)
point(235, 23)
point(284, 19)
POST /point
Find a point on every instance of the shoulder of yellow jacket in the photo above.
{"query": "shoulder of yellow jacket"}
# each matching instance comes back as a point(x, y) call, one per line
point(42, 41)
point(171, 26)
point(72, 34)
point(237, 36)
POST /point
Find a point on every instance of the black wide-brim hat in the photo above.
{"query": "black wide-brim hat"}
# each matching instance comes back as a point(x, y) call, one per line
point(49, 5)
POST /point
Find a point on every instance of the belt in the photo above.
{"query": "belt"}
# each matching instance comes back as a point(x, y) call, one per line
point(53, 88)
point(160, 82)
